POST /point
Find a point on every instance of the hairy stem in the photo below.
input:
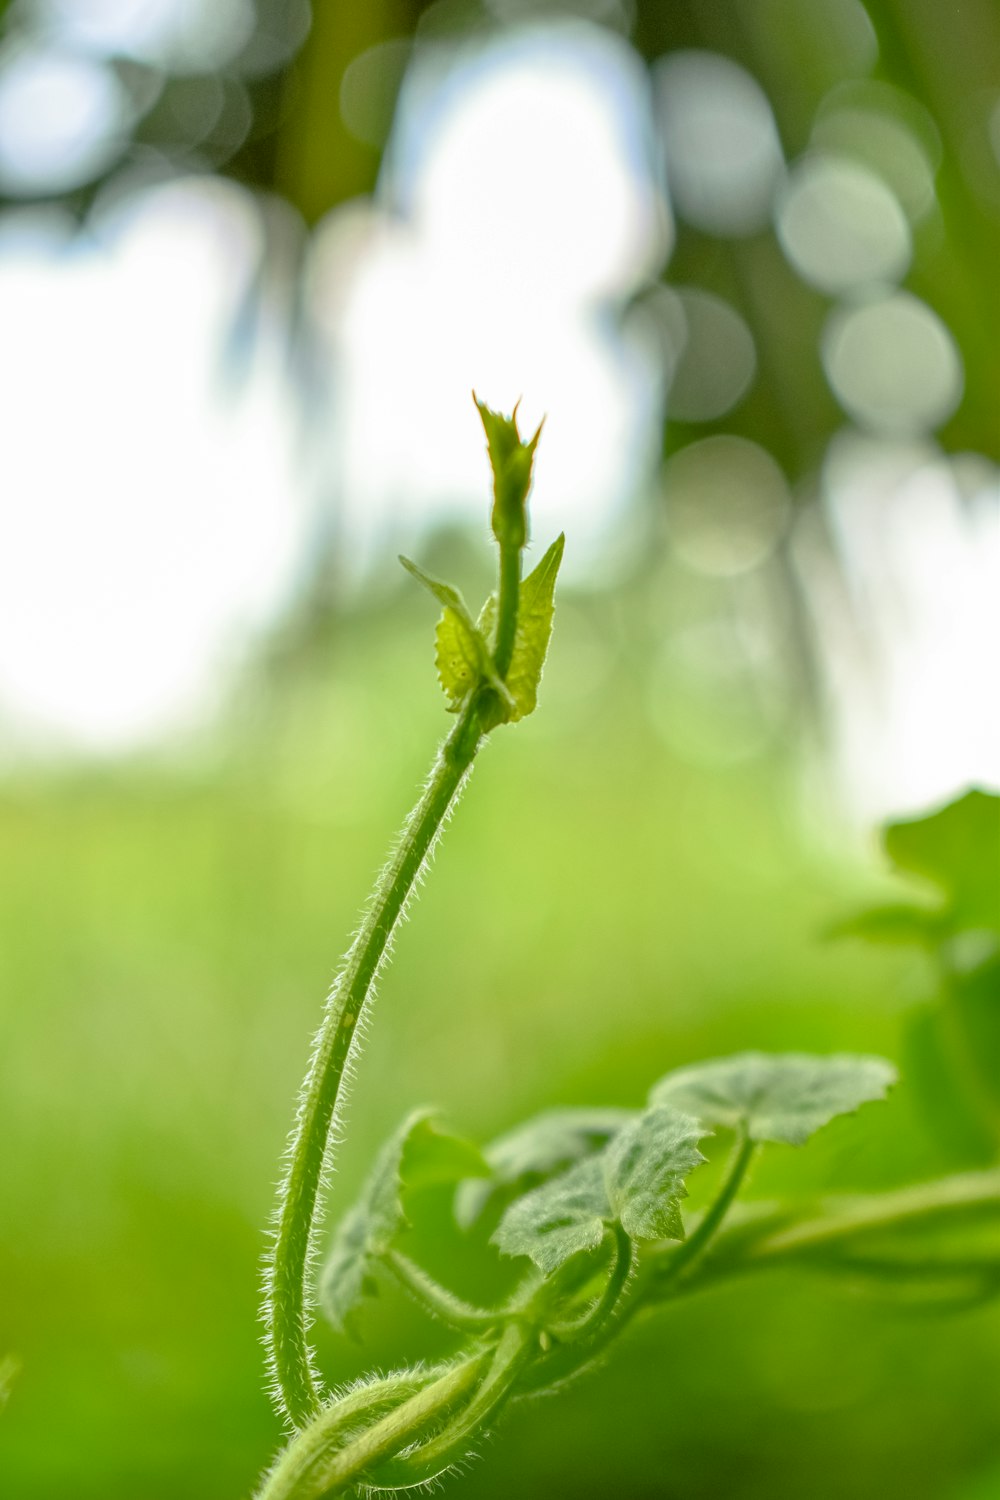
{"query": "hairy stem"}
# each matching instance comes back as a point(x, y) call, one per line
point(437, 1299)
point(296, 1390)
point(689, 1250)
point(428, 1460)
point(602, 1310)
point(327, 1456)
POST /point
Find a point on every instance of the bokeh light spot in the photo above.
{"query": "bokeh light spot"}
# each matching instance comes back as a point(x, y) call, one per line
point(714, 359)
point(369, 88)
point(885, 143)
point(892, 364)
point(62, 119)
point(181, 35)
point(727, 505)
point(840, 226)
point(723, 154)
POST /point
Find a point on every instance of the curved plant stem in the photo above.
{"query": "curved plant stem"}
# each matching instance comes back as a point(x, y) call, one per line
point(596, 1316)
point(689, 1250)
point(446, 1447)
point(296, 1386)
point(437, 1299)
point(846, 1219)
point(818, 1241)
point(580, 1343)
point(323, 1459)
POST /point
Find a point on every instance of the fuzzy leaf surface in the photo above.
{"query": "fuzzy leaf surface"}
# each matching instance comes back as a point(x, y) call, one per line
point(459, 657)
point(418, 1155)
point(776, 1096)
point(547, 1143)
point(645, 1168)
point(558, 1219)
point(637, 1181)
point(462, 657)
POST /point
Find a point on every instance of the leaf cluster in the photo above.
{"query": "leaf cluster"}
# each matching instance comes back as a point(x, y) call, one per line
point(470, 656)
point(589, 1204)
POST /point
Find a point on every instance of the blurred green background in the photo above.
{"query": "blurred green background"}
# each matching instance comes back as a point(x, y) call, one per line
point(640, 875)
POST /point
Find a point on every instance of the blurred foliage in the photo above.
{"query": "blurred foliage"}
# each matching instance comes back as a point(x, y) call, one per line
point(166, 939)
point(953, 1041)
point(167, 933)
point(902, 88)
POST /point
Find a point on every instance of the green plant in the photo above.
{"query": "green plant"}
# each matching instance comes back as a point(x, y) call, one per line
point(587, 1203)
point(952, 1043)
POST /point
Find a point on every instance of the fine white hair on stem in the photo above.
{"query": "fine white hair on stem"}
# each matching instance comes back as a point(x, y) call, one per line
point(344, 1024)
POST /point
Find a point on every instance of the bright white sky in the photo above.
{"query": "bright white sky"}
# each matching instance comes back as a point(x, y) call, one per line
point(155, 511)
point(158, 512)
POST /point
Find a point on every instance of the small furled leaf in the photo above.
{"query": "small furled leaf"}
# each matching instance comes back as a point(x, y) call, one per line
point(558, 1219)
point(511, 459)
point(462, 658)
point(637, 1181)
point(645, 1167)
point(957, 849)
point(446, 596)
point(775, 1097)
point(538, 1148)
point(418, 1155)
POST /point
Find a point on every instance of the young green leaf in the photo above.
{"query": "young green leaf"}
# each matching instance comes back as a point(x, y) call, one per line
point(558, 1219)
point(645, 1168)
point(637, 1181)
point(548, 1143)
point(463, 658)
point(418, 1155)
point(511, 459)
point(780, 1097)
point(534, 631)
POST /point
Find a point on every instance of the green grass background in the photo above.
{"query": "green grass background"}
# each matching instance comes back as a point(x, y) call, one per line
point(598, 913)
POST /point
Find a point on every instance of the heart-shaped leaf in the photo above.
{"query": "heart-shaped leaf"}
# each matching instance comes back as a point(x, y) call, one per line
point(775, 1097)
point(538, 1148)
point(637, 1181)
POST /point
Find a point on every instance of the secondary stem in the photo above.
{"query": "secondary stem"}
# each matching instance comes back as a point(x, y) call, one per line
point(588, 1326)
point(438, 1300)
point(951, 1197)
point(297, 1388)
point(690, 1249)
point(811, 1241)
